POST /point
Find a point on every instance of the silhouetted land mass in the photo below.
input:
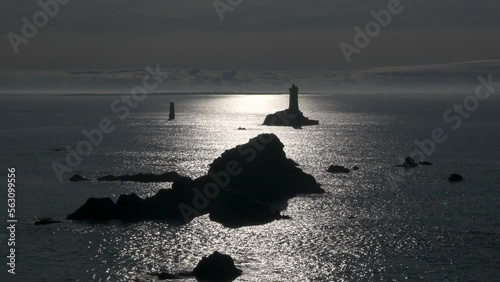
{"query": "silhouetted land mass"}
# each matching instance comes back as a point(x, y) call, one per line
point(246, 185)
point(291, 116)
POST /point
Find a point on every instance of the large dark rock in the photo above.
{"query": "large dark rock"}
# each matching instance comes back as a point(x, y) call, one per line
point(338, 169)
point(216, 267)
point(242, 187)
point(289, 118)
point(143, 177)
point(455, 177)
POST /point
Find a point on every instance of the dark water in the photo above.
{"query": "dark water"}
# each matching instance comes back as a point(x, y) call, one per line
point(376, 224)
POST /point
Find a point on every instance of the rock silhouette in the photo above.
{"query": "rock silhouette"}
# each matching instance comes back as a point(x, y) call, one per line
point(242, 187)
point(338, 169)
point(411, 163)
point(47, 221)
point(455, 177)
point(216, 267)
point(355, 168)
point(96, 209)
point(143, 177)
point(291, 116)
point(77, 178)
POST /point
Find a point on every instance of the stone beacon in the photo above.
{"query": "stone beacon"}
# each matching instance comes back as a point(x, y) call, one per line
point(291, 116)
point(294, 99)
point(171, 115)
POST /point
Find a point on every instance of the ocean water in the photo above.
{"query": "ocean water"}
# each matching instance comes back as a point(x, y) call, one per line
point(380, 223)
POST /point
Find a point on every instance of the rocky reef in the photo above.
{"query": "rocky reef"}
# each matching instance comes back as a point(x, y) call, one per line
point(246, 185)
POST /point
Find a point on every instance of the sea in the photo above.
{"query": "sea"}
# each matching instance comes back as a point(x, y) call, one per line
point(379, 223)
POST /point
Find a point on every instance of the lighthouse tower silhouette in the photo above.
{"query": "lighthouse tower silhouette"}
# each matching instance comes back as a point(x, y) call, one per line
point(294, 99)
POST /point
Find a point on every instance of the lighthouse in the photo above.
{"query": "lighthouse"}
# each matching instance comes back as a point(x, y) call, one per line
point(294, 99)
point(291, 116)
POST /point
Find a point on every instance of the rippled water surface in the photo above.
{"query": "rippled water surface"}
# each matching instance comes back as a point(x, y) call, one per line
point(380, 223)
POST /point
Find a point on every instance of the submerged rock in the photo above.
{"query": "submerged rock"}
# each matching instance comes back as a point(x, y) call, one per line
point(143, 177)
point(455, 177)
point(46, 221)
point(425, 163)
point(242, 187)
point(338, 169)
point(355, 168)
point(216, 267)
point(77, 178)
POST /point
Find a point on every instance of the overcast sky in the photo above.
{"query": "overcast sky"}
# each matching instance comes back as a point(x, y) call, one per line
point(283, 36)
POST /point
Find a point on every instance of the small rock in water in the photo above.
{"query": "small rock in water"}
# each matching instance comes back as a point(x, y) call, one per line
point(455, 177)
point(216, 267)
point(241, 128)
point(410, 162)
point(338, 169)
point(77, 178)
point(46, 221)
point(355, 168)
point(425, 163)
